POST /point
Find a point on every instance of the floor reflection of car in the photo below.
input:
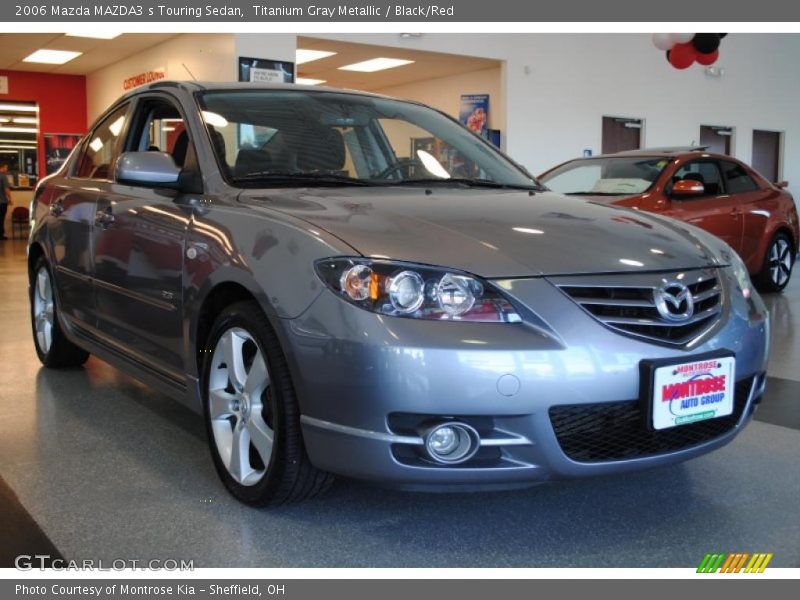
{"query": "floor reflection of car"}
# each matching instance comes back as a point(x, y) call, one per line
point(344, 283)
point(718, 193)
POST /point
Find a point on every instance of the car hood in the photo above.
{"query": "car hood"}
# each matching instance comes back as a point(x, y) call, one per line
point(491, 233)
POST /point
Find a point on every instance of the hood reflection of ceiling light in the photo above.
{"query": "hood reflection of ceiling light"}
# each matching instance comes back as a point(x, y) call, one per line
point(309, 81)
point(631, 263)
point(51, 57)
point(376, 64)
point(303, 55)
point(432, 165)
point(528, 230)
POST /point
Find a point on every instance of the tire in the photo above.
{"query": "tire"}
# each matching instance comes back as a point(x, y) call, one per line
point(52, 346)
point(251, 413)
point(778, 263)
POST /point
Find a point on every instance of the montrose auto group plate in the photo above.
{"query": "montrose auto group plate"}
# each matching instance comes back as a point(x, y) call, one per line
point(693, 391)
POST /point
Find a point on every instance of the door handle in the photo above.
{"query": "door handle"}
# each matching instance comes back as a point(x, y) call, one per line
point(104, 218)
point(57, 207)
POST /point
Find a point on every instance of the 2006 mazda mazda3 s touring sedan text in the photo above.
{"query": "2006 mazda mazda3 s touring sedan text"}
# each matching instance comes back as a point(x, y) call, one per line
point(344, 283)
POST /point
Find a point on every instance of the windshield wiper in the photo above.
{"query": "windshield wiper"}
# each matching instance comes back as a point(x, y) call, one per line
point(290, 177)
point(464, 181)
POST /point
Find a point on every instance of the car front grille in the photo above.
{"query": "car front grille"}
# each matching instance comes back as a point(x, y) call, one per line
point(629, 307)
point(618, 430)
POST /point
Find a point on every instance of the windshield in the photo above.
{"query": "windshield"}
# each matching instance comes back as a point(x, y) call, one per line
point(606, 176)
point(266, 137)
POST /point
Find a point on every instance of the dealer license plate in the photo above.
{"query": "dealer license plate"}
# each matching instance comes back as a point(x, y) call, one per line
point(689, 392)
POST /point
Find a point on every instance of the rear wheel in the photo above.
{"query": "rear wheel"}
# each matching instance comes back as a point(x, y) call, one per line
point(778, 263)
point(52, 346)
point(252, 416)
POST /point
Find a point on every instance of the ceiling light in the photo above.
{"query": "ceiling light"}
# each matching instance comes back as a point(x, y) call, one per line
point(19, 107)
point(4, 120)
point(309, 81)
point(19, 129)
point(97, 35)
point(51, 57)
point(25, 120)
point(18, 147)
point(303, 55)
point(165, 128)
point(376, 64)
point(214, 119)
point(116, 126)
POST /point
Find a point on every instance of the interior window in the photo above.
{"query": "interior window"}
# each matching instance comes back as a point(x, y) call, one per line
point(161, 128)
point(738, 179)
point(705, 172)
point(101, 147)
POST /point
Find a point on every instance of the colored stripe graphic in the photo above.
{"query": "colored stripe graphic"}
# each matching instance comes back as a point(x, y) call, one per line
point(734, 562)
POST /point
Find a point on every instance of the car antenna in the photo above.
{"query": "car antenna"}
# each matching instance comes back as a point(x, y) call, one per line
point(189, 72)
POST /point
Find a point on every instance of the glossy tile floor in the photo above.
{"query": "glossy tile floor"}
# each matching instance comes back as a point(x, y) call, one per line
point(110, 469)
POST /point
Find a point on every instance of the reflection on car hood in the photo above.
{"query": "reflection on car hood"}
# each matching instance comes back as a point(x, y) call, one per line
point(492, 233)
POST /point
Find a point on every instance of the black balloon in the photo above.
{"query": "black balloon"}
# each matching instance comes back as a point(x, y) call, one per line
point(706, 43)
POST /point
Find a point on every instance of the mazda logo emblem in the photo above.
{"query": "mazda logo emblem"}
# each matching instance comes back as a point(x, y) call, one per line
point(674, 302)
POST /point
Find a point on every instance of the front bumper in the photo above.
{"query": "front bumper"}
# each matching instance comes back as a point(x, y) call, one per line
point(367, 383)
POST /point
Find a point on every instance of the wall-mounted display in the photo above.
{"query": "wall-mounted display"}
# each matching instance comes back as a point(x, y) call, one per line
point(474, 113)
point(264, 70)
point(57, 147)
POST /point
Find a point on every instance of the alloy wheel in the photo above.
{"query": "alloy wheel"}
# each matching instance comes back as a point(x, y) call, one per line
point(43, 310)
point(239, 406)
point(780, 261)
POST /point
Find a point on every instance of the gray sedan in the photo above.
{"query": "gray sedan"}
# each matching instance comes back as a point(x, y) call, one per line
point(343, 283)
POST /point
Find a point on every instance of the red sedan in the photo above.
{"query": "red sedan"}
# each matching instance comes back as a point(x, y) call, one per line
point(718, 193)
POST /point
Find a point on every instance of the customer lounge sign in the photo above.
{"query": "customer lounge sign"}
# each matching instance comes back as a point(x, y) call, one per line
point(143, 78)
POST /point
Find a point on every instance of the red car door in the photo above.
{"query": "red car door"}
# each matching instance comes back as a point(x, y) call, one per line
point(716, 211)
point(757, 205)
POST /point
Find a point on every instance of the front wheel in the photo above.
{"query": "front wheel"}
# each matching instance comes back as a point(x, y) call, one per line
point(778, 262)
point(52, 346)
point(252, 416)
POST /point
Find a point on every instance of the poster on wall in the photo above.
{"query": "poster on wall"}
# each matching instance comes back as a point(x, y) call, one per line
point(262, 70)
point(57, 147)
point(474, 113)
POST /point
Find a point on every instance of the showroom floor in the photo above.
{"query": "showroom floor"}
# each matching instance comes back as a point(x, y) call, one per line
point(102, 467)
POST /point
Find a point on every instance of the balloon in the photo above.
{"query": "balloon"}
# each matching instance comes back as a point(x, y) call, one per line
point(682, 38)
point(682, 56)
point(708, 59)
point(663, 41)
point(706, 43)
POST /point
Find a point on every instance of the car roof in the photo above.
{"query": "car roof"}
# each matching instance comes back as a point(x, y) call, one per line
point(665, 152)
point(200, 86)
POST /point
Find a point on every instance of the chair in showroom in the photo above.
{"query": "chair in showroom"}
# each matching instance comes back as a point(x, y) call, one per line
point(20, 220)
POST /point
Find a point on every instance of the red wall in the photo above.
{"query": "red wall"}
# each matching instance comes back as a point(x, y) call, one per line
point(61, 100)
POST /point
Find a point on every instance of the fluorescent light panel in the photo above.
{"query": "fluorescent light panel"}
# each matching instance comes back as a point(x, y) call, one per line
point(19, 107)
point(19, 129)
point(96, 35)
point(309, 81)
point(376, 64)
point(51, 57)
point(29, 120)
point(303, 55)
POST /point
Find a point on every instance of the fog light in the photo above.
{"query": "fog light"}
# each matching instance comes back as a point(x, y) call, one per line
point(451, 443)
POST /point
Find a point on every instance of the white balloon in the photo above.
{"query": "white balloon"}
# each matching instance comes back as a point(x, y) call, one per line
point(682, 38)
point(663, 41)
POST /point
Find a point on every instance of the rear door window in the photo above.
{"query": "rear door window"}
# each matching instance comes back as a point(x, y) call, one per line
point(738, 179)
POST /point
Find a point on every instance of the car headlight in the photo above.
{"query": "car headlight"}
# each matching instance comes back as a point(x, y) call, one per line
point(741, 274)
point(415, 291)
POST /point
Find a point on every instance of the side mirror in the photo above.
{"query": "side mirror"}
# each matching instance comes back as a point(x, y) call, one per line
point(782, 184)
point(149, 169)
point(688, 187)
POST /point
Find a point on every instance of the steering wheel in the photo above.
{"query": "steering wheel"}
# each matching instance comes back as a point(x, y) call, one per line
point(402, 166)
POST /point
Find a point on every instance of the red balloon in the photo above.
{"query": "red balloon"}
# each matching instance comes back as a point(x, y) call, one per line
point(707, 59)
point(682, 56)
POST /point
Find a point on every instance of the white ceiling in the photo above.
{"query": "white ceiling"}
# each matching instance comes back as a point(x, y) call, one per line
point(96, 53)
point(427, 65)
